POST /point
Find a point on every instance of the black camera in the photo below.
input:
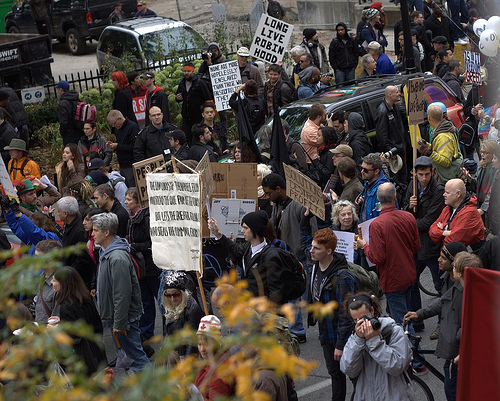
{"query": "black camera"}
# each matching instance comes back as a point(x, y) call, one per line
point(391, 153)
point(205, 55)
point(328, 74)
point(373, 321)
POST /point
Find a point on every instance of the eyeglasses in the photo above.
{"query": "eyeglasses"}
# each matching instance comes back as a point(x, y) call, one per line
point(366, 170)
point(483, 152)
point(174, 295)
point(302, 61)
point(114, 122)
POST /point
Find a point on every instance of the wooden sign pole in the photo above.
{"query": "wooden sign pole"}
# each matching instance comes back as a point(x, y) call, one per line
point(414, 159)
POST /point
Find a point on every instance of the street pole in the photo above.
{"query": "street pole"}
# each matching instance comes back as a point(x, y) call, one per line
point(408, 44)
point(178, 9)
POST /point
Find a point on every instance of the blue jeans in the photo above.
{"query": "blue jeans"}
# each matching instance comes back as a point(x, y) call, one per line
point(450, 380)
point(343, 76)
point(149, 291)
point(459, 13)
point(131, 344)
point(417, 4)
point(433, 265)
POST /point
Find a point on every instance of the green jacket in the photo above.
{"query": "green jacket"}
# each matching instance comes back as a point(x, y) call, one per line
point(118, 291)
point(446, 152)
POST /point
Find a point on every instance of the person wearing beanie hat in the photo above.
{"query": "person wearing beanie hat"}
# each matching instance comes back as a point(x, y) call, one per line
point(260, 261)
point(377, 5)
point(310, 43)
point(371, 30)
point(309, 82)
point(209, 335)
point(425, 205)
point(179, 307)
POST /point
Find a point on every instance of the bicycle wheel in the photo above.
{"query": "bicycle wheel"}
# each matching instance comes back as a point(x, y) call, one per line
point(421, 390)
point(429, 290)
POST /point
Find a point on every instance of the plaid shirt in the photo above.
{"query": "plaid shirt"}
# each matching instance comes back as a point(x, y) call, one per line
point(337, 328)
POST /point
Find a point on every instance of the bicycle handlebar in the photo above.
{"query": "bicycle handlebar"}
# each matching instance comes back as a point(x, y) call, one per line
point(411, 336)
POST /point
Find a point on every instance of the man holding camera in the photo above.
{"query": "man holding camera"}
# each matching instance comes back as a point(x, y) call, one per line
point(390, 130)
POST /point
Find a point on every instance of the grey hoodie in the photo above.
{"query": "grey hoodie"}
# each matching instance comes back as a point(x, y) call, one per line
point(379, 364)
point(118, 291)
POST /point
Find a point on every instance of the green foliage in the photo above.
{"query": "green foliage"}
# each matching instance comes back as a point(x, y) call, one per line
point(47, 138)
point(43, 113)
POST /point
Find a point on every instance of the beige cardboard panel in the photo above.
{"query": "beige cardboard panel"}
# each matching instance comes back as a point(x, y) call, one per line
point(140, 170)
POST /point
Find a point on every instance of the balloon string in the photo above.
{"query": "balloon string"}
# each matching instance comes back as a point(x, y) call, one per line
point(459, 27)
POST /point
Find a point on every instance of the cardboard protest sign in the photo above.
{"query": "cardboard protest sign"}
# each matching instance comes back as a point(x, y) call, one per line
point(271, 39)
point(207, 178)
point(304, 191)
point(230, 212)
point(416, 101)
point(365, 232)
point(140, 170)
point(226, 78)
point(7, 186)
point(472, 67)
point(345, 244)
point(175, 221)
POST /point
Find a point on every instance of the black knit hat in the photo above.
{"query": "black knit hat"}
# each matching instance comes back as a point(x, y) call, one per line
point(452, 248)
point(309, 33)
point(256, 221)
point(174, 279)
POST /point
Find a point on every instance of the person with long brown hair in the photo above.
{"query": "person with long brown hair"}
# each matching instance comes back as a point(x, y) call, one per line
point(122, 100)
point(75, 304)
point(71, 166)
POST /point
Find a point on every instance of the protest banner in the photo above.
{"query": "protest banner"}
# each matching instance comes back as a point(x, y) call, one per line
point(139, 105)
point(226, 78)
point(304, 191)
point(140, 170)
point(365, 232)
point(229, 213)
point(175, 223)
point(345, 244)
point(271, 39)
point(207, 178)
point(8, 188)
point(416, 101)
point(472, 67)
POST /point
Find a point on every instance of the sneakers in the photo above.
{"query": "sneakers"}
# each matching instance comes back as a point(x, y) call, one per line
point(421, 370)
point(461, 41)
point(302, 339)
point(435, 334)
point(149, 350)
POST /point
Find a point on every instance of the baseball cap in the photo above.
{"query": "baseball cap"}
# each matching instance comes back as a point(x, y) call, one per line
point(441, 105)
point(148, 75)
point(374, 45)
point(423, 161)
point(243, 52)
point(440, 39)
point(64, 85)
point(4, 95)
point(96, 163)
point(344, 149)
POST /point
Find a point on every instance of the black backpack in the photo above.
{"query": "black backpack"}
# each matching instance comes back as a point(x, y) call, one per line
point(293, 274)
point(359, 43)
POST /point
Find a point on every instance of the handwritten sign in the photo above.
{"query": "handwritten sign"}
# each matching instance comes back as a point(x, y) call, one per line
point(304, 191)
point(7, 186)
point(229, 213)
point(271, 39)
point(345, 241)
point(226, 78)
point(207, 178)
point(139, 105)
point(416, 101)
point(140, 170)
point(472, 67)
point(175, 223)
point(365, 232)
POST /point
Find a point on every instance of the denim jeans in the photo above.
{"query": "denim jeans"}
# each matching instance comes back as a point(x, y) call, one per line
point(333, 367)
point(343, 76)
point(131, 344)
point(433, 265)
point(417, 4)
point(149, 291)
point(450, 380)
point(459, 13)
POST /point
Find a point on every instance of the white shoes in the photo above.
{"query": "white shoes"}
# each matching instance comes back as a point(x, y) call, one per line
point(462, 41)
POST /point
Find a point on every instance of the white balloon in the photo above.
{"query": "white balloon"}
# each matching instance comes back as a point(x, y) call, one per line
point(494, 24)
point(488, 43)
point(479, 26)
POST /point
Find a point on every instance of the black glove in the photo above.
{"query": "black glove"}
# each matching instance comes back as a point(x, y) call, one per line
point(311, 321)
point(14, 206)
point(5, 202)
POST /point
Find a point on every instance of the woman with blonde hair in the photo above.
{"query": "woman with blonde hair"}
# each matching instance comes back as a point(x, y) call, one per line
point(71, 166)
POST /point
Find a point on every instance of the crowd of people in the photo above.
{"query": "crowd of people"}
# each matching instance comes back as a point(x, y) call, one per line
point(435, 211)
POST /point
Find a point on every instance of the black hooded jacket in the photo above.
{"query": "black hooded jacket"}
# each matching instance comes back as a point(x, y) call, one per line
point(358, 141)
point(67, 111)
point(343, 53)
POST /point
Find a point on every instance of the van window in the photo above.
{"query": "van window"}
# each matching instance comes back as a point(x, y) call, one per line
point(61, 4)
point(171, 42)
point(113, 42)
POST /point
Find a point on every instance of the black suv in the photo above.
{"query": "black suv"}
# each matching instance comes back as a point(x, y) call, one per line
point(71, 21)
point(364, 97)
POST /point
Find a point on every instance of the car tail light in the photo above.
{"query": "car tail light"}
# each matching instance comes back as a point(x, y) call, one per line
point(88, 17)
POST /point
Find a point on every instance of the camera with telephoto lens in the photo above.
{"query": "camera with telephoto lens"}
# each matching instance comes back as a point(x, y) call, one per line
point(373, 321)
point(205, 55)
point(390, 153)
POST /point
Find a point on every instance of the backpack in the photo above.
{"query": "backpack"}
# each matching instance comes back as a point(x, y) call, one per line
point(115, 181)
point(84, 112)
point(293, 275)
point(292, 87)
point(20, 169)
point(138, 262)
point(359, 43)
point(467, 132)
point(366, 281)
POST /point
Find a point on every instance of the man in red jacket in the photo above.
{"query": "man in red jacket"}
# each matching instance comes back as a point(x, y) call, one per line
point(394, 241)
point(459, 220)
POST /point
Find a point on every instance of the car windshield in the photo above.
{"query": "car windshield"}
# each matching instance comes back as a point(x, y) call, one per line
point(171, 42)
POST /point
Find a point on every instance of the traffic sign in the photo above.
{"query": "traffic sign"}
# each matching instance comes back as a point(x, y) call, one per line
point(33, 95)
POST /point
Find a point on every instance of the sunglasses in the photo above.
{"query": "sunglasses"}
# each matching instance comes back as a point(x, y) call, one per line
point(174, 295)
point(366, 170)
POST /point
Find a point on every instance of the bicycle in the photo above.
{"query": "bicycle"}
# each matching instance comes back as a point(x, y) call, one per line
point(421, 389)
point(431, 292)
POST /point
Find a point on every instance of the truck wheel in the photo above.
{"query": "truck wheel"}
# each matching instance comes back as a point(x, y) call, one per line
point(75, 42)
point(13, 29)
